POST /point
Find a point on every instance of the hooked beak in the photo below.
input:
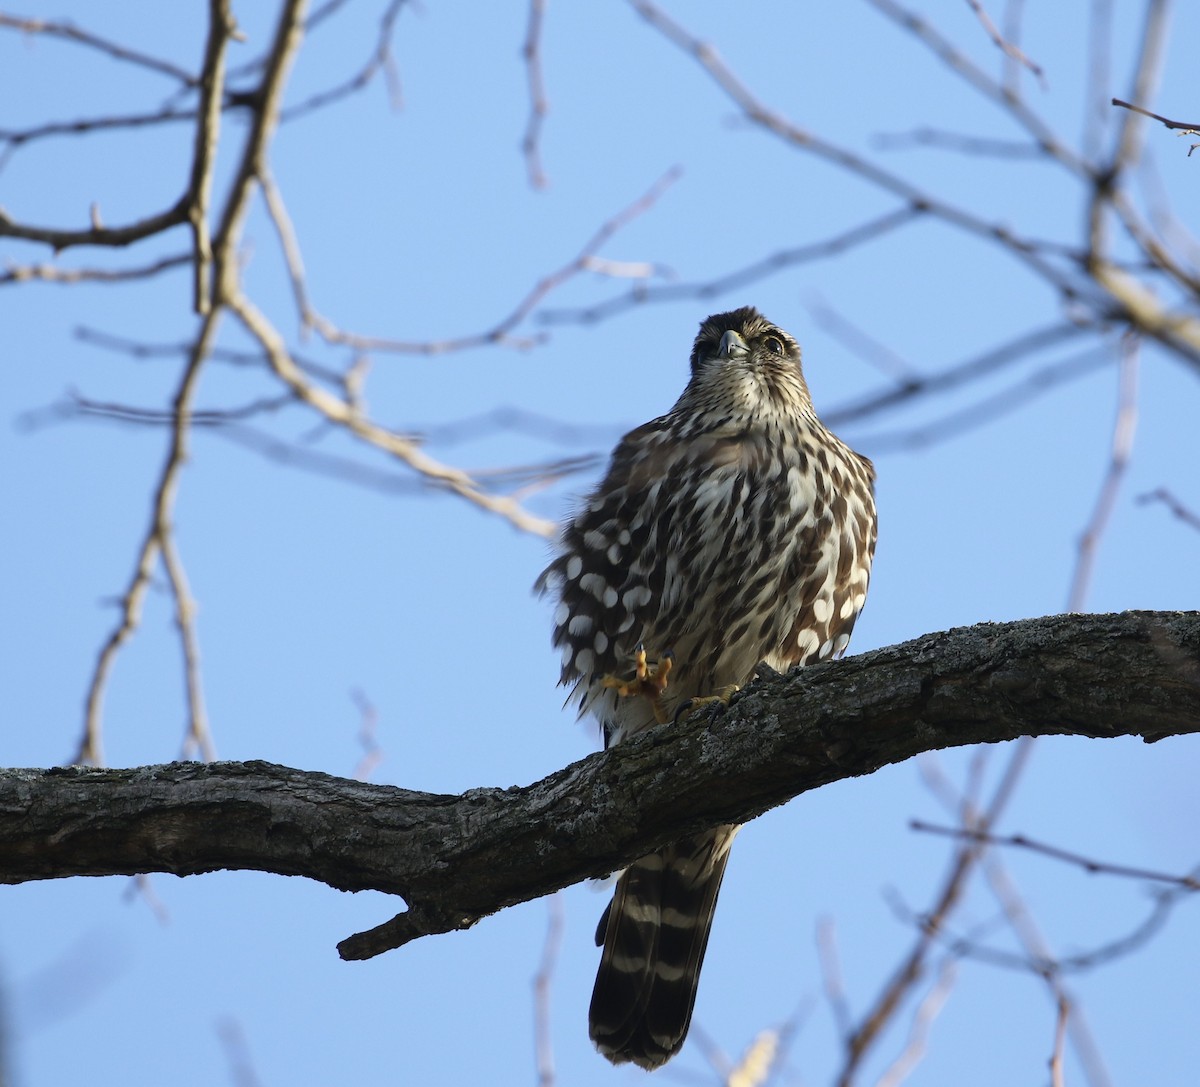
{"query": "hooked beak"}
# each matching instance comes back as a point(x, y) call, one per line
point(733, 346)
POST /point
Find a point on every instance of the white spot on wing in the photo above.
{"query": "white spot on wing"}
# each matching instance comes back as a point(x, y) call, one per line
point(822, 608)
point(574, 567)
point(561, 614)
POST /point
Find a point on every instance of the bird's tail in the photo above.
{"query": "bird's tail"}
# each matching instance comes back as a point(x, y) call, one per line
point(654, 933)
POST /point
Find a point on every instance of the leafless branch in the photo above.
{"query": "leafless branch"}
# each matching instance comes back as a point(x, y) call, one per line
point(50, 273)
point(1008, 48)
point(992, 360)
point(957, 141)
point(380, 60)
point(918, 1034)
point(368, 736)
point(742, 277)
point(1177, 508)
point(1124, 428)
point(912, 967)
point(158, 535)
point(531, 51)
point(989, 408)
point(456, 859)
point(542, 980)
point(1187, 127)
point(1090, 865)
point(68, 31)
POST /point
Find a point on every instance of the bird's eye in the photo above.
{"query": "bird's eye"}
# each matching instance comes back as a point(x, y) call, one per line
point(775, 345)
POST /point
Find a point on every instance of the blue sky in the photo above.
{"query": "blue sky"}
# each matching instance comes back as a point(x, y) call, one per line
point(421, 224)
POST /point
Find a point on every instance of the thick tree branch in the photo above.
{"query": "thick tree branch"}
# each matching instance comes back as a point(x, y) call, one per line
point(456, 859)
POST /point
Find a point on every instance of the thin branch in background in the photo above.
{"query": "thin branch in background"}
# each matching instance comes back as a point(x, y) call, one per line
point(832, 982)
point(1099, 78)
point(335, 410)
point(1048, 968)
point(502, 332)
point(198, 738)
point(742, 277)
point(543, 1037)
point(512, 419)
point(918, 1033)
point(1124, 427)
point(50, 273)
point(1185, 128)
point(140, 349)
point(995, 358)
point(910, 970)
point(237, 1052)
point(1177, 508)
point(1088, 864)
point(90, 750)
point(142, 888)
point(757, 1062)
point(97, 234)
point(68, 31)
point(1060, 1037)
point(1008, 48)
point(865, 346)
point(380, 60)
point(984, 146)
point(531, 51)
point(221, 27)
point(992, 407)
point(158, 535)
point(368, 736)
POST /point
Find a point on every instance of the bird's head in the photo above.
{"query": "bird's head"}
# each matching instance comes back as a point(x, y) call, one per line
point(740, 359)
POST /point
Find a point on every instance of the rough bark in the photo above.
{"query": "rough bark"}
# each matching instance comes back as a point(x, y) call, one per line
point(456, 859)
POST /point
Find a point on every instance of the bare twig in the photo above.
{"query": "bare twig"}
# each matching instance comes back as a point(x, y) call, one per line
point(221, 27)
point(68, 31)
point(368, 736)
point(832, 982)
point(1089, 864)
point(50, 273)
point(957, 141)
point(1008, 48)
point(1189, 128)
point(542, 980)
point(1060, 1037)
point(1177, 508)
point(158, 536)
point(996, 358)
point(197, 739)
point(1124, 427)
point(918, 1034)
point(911, 968)
point(838, 243)
point(380, 60)
point(343, 414)
point(502, 332)
point(531, 51)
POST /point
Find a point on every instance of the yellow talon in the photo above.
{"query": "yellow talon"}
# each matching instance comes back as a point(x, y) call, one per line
point(723, 695)
point(648, 681)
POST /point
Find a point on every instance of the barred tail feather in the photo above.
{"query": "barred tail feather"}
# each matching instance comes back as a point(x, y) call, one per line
point(654, 933)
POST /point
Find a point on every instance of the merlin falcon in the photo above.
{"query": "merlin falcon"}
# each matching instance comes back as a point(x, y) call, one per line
point(734, 530)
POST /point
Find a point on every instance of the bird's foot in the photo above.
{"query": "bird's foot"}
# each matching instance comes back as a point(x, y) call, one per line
point(721, 697)
point(649, 681)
